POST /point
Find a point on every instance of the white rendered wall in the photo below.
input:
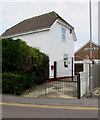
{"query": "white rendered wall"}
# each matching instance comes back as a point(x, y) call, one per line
point(39, 40)
point(51, 43)
point(60, 47)
point(83, 83)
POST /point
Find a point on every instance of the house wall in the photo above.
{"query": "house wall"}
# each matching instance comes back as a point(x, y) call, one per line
point(60, 47)
point(51, 43)
point(39, 40)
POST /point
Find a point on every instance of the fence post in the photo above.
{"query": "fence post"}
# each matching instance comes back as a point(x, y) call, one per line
point(55, 70)
point(72, 69)
point(78, 86)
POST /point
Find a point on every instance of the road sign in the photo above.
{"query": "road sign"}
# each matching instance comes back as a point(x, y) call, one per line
point(91, 58)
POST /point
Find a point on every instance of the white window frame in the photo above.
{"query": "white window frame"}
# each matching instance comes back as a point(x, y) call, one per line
point(63, 31)
point(65, 57)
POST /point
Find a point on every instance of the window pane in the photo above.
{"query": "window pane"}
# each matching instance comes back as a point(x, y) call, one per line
point(63, 31)
point(63, 34)
point(63, 37)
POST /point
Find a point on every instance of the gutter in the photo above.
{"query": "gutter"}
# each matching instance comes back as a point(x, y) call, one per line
point(21, 34)
point(74, 35)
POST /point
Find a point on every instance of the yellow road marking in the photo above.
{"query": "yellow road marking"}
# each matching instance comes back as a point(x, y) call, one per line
point(45, 106)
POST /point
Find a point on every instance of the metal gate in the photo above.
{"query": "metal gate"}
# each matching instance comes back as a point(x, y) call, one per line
point(64, 75)
point(61, 86)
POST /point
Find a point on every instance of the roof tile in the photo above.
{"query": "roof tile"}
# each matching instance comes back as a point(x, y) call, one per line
point(32, 24)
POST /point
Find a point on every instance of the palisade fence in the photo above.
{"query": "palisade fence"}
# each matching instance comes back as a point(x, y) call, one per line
point(96, 75)
point(83, 78)
point(82, 83)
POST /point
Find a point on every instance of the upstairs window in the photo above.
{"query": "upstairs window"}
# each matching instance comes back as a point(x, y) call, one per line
point(63, 34)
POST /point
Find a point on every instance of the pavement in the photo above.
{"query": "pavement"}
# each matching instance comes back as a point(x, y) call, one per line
point(86, 101)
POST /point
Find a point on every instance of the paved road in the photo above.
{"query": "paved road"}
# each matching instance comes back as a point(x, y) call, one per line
point(90, 102)
point(20, 107)
point(41, 111)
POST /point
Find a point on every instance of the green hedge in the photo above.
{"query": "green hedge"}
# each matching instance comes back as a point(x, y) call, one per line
point(22, 66)
point(15, 83)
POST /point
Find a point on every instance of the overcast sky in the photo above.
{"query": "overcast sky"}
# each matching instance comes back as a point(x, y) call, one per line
point(75, 13)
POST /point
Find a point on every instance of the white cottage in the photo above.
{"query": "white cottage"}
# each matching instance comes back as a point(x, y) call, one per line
point(52, 35)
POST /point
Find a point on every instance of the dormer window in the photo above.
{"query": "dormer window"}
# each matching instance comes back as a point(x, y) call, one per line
point(63, 34)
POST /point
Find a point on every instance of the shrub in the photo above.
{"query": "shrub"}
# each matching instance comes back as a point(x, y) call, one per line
point(23, 66)
point(42, 70)
point(10, 83)
point(10, 55)
point(14, 83)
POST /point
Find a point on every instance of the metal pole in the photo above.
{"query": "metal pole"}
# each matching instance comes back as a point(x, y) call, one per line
point(91, 76)
point(55, 70)
point(72, 69)
point(90, 31)
point(78, 86)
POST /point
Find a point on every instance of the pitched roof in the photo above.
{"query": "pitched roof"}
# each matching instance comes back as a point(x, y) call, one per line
point(88, 42)
point(35, 23)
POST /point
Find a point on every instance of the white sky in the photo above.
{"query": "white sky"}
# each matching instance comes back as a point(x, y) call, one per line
point(74, 12)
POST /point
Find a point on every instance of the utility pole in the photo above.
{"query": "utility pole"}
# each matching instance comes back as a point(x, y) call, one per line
point(91, 72)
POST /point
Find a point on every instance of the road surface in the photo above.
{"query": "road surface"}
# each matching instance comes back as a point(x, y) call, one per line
point(16, 110)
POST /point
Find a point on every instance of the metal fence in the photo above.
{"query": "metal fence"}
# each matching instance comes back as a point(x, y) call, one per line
point(55, 89)
point(96, 75)
point(83, 79)
point(63, 75)
point(61, 86)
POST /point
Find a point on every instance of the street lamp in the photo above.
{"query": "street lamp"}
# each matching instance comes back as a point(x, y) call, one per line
point(91, 72)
